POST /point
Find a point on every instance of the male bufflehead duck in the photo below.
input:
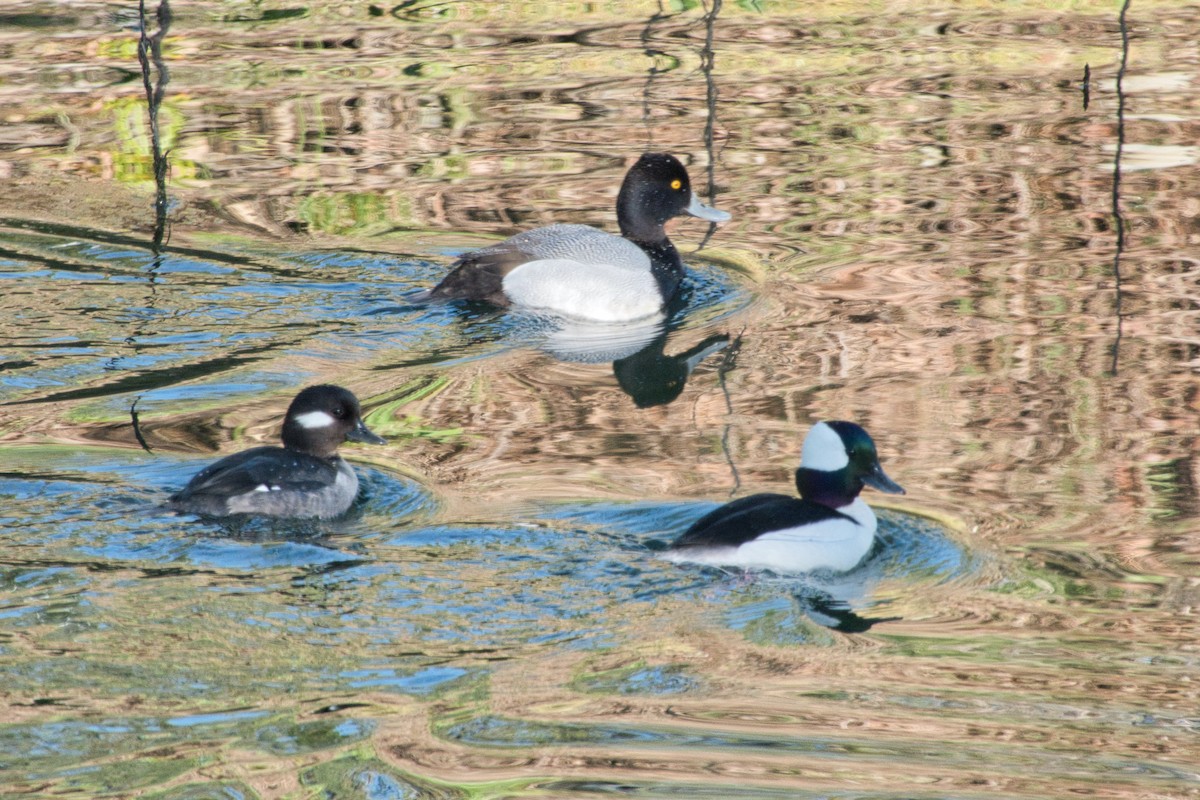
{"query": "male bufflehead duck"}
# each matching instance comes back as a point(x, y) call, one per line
point(304, 478)
point(583, 272)
point(829, 527)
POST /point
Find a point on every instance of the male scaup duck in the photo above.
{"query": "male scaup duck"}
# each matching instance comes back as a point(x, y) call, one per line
point(304, 478)
point(828, 528)
point(583, 272)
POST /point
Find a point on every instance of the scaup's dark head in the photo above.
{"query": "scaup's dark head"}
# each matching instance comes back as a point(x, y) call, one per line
point(656, 189)
point(322, 417)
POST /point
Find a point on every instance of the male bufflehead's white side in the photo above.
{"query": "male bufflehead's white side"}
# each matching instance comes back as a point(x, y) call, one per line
point(304, 478)
point(828, 527)
point(583, 272)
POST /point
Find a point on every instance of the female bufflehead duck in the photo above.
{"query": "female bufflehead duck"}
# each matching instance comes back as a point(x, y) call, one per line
point(829, 527)
point(579, 271)
point(304, 478)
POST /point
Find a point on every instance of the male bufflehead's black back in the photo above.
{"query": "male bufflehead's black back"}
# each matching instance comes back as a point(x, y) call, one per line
point(583, 272)
point(304, 478)
point(828, 527)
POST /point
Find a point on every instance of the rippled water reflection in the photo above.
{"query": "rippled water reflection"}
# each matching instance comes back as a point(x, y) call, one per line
point(922, 241)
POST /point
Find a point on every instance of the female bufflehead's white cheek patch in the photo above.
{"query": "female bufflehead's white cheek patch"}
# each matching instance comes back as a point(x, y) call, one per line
point(315, 419)
point(823, 449)
point(262, 487)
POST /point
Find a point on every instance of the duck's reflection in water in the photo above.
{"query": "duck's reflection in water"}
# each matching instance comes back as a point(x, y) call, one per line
point(653, 378)
point(637, 350)
point(825, 608)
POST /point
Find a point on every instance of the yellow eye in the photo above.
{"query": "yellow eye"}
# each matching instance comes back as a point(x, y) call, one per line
point(677, 184)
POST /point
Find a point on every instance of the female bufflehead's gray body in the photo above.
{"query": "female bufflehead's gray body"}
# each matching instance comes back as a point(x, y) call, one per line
point(828, 527)
point(579, 271)
point(304, 478)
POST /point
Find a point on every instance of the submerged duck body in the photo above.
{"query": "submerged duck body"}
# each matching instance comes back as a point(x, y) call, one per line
point(583, 272)
point(827, 528)
point(305, 478)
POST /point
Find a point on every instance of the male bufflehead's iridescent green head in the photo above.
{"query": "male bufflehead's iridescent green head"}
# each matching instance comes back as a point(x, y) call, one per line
point(848, 452)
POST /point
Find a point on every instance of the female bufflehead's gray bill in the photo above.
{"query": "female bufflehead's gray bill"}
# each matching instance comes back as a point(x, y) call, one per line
point(304, 478)
point(829, 527)
point(583, 272)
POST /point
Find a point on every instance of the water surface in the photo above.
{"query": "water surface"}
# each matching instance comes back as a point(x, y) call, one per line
point(923, 241)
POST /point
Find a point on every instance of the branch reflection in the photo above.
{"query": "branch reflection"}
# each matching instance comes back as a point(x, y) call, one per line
point(1118, 218)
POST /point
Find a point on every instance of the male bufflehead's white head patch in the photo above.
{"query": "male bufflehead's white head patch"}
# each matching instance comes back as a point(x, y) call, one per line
point(823, 449)
point(314, 419)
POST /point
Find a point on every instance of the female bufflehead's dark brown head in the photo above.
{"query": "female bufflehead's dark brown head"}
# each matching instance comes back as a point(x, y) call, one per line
point(321, 418)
